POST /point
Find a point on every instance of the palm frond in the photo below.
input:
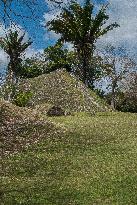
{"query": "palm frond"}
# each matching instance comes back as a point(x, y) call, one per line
point(20, 39)
point(105, 30)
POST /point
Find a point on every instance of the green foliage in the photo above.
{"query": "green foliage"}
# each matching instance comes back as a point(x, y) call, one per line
point(58, 57)
point(127, 103)
point(124, 102)
point(99, 92)
point(79, 26)
point(94, 70)
point(31, 68)
point(14, 46)
point(21, 99)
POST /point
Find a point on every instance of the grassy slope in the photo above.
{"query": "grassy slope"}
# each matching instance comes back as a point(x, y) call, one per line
point(95, 162)
point(61, 89)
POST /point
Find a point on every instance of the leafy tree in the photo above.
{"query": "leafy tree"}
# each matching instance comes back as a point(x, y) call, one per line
point(129, 100)
point(125, 98)
point(79, 26)
point(32, 67)
point(57, 57)
point(54, 57)
point(116, 68)
point(14, 46)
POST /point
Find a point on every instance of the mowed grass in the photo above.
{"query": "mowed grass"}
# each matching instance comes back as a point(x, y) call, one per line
point(94, 162)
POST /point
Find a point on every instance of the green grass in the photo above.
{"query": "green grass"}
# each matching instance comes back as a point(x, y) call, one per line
point(94, 162)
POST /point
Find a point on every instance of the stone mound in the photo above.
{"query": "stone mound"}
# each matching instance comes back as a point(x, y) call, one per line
point(61, 89)
point(22, 127)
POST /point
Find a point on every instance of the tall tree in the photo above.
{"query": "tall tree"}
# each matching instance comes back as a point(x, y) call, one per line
point(126, 98)
point(14, 46)
point(117, 67)
point(81, 27)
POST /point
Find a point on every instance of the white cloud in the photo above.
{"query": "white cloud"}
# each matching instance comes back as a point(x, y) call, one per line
point(52, 6)
point(2, 30)
point(124, 13)
point(69, 46)
point(48, 17)
point(32, 52)
point(3, 58)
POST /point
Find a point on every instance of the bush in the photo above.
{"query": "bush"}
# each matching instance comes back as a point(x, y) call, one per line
point(125, 102)
point(129, 104)
point(22, 98)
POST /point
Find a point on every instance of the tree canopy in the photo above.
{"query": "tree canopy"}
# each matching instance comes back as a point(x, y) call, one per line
point(14, 46)
point(79, 25)
point(58, 57)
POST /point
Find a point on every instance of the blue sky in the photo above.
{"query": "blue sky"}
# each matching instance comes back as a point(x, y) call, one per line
point(32, 26)
point(35, 28)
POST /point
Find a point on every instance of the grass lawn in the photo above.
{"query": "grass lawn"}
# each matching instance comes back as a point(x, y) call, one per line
point(94, 162)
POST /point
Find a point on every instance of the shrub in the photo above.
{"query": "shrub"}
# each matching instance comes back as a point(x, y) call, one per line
point(129, 104)
point(125, 102)
point(22, 98)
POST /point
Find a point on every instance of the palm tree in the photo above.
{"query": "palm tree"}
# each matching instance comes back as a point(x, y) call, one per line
point(79, 26)
point(14, 46)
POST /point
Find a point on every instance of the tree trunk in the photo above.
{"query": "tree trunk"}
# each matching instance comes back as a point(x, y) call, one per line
point(9, 84)
point(88, 73)
point(113, 100)
point(85, 66)
point(84, 54)
point(84, 70)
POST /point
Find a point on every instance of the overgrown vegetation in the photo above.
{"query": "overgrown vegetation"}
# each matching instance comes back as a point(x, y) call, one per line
point(58, 57)
point(21, 99)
